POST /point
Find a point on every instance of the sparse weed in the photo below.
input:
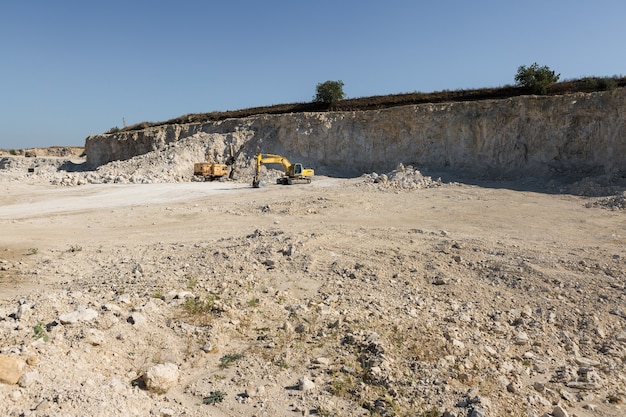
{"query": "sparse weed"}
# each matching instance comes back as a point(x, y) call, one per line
point(75, 248)
point(214, 398)
point(281, 363)
point(198, 306)
point(229, 359)
point(321, 411)
point(433, 412)
point(33, 251)
point(342, 384)
point(192, 282)
point(254, 302)
point(41, 332)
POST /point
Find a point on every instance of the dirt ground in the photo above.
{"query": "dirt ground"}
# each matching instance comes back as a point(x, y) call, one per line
point(334, 298)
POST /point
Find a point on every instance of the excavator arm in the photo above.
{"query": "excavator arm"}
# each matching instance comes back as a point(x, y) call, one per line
point(268, 158)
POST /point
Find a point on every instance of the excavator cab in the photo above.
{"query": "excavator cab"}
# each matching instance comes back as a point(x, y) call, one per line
point(297, 169)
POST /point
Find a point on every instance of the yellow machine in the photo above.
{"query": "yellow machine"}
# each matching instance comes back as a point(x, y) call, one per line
point(294, 173)
point(210, 170)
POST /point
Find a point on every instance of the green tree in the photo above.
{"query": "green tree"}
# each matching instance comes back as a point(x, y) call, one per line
point(329, 92)
point(535, 78)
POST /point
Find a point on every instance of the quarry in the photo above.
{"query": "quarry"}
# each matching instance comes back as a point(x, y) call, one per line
point(451, 259)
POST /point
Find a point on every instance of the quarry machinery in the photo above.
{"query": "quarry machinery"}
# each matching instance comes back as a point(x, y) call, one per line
point(211, 170)
point(293, 173)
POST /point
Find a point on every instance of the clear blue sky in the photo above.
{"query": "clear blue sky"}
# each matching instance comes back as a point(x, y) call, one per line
point(73, 68)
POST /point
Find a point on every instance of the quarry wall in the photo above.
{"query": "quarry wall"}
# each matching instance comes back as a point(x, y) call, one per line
point(583, 133)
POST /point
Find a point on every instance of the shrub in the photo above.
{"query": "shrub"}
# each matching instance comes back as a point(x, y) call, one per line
point(214, 398)
point(229, 359)
point(606, 83)
point(536, 78)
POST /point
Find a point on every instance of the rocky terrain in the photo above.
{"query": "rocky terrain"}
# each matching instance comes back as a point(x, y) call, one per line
point(389, 294)
point(453, 259)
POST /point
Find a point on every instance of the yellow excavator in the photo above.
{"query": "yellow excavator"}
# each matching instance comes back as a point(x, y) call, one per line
point(294, 173)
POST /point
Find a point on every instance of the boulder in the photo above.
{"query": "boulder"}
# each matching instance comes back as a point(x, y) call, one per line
point(11, 369)
point(161, 377)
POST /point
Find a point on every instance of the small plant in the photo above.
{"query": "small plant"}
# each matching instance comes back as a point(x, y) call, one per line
point(281, 363)
point(41, 332)
point(433, 412)
point(114, 129)
point(33, 251)
point(229, 359)
point(75, 248)
point(214, 398)
point(157, 294)
point(13, 152)
point(341, 385)
point(254, 302)
point(198, 306)
point(191, 282)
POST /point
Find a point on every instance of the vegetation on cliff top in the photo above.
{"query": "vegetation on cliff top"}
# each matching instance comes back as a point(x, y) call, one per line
point(587, 84)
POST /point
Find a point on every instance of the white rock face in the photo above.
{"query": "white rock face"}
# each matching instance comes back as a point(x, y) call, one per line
point(529, 135)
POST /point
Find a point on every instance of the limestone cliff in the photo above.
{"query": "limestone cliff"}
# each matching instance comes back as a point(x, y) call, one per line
point(530, 135)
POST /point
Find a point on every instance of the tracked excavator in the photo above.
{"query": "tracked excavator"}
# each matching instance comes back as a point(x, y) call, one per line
point(293, 173)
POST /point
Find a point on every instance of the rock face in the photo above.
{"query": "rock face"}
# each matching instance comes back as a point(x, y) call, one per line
point(529, 135)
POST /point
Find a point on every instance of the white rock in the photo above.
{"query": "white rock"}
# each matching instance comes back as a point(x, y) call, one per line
point(11, 369)
point(112, 308)
point(254, 392)
point(161, 377)
point(28, 379)
point(305, 384)
point(521, 339)
point(23, 312)
point(321, 361)
point(137, 319)
point(458, 344)
point(81, 314)
point(94, 337)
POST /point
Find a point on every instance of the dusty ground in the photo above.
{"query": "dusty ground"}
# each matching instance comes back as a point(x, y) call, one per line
point(336, 298)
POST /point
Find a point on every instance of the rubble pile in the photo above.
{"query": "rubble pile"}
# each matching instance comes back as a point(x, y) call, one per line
point(402, 178)
point(615, 202)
